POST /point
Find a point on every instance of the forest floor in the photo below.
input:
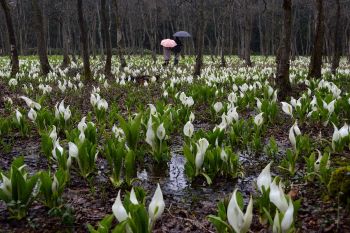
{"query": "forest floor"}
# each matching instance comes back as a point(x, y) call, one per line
point(187, 204)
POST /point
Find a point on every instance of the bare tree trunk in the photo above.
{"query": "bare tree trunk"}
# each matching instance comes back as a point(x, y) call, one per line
point(119, 36)
point(316, 55)
point(337, 40)
point(283, 56)
point(40, 38)
point(106, 38)
point(200, 40)
point(247, 34)
point(12, 38)
point(83, 40)
point(65, 36)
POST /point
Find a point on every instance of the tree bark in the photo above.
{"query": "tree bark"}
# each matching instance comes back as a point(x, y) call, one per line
point(247, 34)
point(106, 38)
point(65, 37)
point(283, 56)
point(337, 40)
point(12, 38)
point(41, 38)
point(200, 40)
point(84, 42)
point(119, 35)
point(316, 55)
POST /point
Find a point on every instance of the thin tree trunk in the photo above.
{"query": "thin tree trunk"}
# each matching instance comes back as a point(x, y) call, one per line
point(83, 40)
point(283, 56)
point(12, 39)
point(40, 38)
point(337, 40)
point(316, 56)
point(107, 38)
point(120, 39)
point(200, 40)
point(247, 34)
point(65, 37)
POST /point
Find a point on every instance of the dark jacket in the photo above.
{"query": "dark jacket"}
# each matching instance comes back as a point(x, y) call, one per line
point(178, 47)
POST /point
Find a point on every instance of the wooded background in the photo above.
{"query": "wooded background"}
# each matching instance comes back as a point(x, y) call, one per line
point(229, 25)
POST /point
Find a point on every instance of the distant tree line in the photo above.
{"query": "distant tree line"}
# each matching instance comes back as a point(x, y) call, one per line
point(230, 25)
point(283, 28)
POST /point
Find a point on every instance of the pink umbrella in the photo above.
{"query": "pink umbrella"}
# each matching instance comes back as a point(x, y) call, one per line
point(168, 43)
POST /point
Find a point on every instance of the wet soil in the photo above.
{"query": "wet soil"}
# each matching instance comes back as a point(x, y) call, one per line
point(187, 204)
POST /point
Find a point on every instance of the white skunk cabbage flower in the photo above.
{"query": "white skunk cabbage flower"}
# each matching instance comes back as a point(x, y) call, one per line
point(258, 103)
point(54, 184)
point(191, 117)
point(188, 129)
point(239, 221)
point(30, 103)
point(58, 147)
point(287, 108)
point(318, 161)
point(292, 138)
point(102, 104)
point(18, 116)
point(32, 114)
point(218, 107)
point(223, 155)
point(6, 185)
point(153, 110)
point(82, 125)
point(264, 178)
point(286, 222)
point(336, 136)
point(133, 198)
point(53, 134)
point(157, 205)
point(277, 196)
point(202, 146)
point(259, 119)
point(161, 132)
point(118, 209)
point(150, 135)
point(73, 150)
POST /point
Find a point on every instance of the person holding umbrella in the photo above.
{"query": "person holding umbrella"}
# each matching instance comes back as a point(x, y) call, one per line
point(167, 45)
point(177, 50)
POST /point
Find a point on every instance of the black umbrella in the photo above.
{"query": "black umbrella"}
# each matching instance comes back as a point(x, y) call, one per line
point(182, 34)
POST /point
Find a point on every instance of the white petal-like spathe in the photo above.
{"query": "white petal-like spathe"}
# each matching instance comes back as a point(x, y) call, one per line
point(54, 184)
point(73, 150)
point(82, 125)
point(188, 129)
point(53, 133)
point(6, 185)
point(258, 103)
point(202, 147)
point(157, 205)
point(223, 155)
point(276, 228)
point(239, 222)
point(18, 116)
point(133, 198)
point(32, 114)
point(218, 106)
point(277, 196)
point(161, 132)
point(287, 108)
point(118, 209)
point(292, 138)
point(150, 135)
point(264, 179)
point(259, 119)
point(288, 217)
